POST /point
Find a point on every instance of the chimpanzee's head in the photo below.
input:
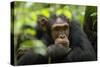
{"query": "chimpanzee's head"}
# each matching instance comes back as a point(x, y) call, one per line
point(59, 29)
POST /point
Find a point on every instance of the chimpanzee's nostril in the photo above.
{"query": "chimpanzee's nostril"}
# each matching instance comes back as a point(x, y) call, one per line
point(62, 36)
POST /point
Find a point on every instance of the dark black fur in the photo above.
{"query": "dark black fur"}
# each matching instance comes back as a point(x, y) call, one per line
point(81, 47)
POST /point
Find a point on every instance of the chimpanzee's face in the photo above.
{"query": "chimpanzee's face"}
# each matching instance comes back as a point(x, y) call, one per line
point(60, 32)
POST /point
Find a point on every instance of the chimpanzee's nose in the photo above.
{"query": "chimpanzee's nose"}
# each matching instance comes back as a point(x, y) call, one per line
point(62, 36)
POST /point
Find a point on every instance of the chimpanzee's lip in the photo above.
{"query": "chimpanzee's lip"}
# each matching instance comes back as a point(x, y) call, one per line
point(63, 42)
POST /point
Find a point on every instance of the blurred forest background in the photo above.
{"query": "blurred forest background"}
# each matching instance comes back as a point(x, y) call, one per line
point(24, 16)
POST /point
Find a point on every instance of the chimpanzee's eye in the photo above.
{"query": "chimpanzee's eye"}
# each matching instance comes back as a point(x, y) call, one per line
point(65, 27)
point(57, 29)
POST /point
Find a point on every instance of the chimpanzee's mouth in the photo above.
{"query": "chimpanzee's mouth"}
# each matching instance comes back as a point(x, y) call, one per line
point(63, 42)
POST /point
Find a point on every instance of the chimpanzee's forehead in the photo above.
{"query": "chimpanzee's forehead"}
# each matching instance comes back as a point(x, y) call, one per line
point(60, 20)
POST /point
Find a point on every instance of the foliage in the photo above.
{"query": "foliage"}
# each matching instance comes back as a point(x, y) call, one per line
point(27, 12)
point(37, 46)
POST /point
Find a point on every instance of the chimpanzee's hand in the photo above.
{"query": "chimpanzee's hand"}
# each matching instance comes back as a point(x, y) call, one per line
point(57, 52)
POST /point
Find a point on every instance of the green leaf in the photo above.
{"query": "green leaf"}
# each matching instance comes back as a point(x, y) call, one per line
point(26, 44)
point(59, 11)
point(30, 31)
point(68, 14)
point(45, 12)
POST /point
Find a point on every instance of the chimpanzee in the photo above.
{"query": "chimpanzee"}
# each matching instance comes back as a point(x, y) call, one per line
point(70, 36)
point(68, 43)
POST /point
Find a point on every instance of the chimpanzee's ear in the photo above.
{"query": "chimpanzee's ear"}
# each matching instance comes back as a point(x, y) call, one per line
point(43, 21)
